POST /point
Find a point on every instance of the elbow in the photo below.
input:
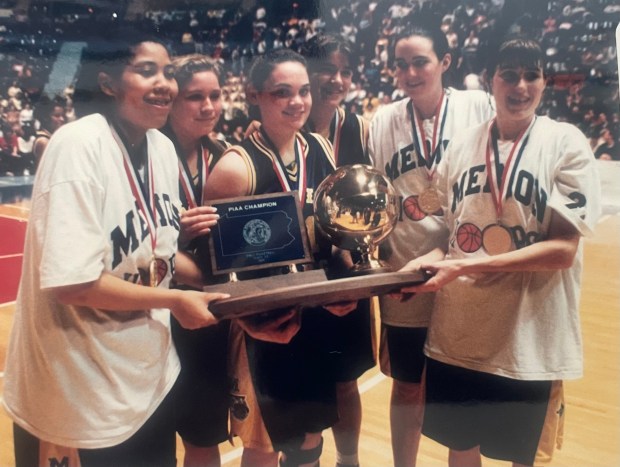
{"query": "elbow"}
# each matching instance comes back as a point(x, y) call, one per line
point(565, 256)
point(566, 262)
point(65, 297)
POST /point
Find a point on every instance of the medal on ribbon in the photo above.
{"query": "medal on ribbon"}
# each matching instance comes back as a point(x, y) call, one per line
point(496, 238)
point(153, 272)
point(286, 181)
point(145, 200)
point(428, 199)
point(194, 191)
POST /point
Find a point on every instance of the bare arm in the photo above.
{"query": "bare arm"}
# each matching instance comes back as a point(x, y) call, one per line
point(187, 272)
point(109, 292)
point(39, 147)
point(557, 252)
point(230, 178)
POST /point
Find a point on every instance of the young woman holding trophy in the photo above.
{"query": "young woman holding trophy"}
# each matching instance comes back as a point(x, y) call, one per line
point(280, 369)
point(92, 320)
point(407, 140)
point(330, 79)
point(518, 192)
point(200, 394)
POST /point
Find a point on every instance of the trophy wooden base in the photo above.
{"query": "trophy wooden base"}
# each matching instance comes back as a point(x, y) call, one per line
point(302, 289)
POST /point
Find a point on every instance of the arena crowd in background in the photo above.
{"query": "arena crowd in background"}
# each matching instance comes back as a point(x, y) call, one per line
point(578, 37)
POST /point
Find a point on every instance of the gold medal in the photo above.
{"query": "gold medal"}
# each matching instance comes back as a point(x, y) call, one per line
point(496, 239)
point(428, 201)
point(153, 272)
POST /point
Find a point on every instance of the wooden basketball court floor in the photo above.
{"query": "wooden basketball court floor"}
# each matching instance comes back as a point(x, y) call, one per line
point(592, 429)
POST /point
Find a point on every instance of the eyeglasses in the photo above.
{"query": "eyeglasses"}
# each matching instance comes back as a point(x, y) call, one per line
point(514, 76)
point(330, 70)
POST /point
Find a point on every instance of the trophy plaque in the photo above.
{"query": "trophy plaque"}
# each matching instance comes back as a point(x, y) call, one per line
point(356, 208)
point(258, 232)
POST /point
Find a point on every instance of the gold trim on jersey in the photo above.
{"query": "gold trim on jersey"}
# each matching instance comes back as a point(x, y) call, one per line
point(552, 434)
point(363, 124)
point(263, 146)
point(246, 419)
point(326, 145)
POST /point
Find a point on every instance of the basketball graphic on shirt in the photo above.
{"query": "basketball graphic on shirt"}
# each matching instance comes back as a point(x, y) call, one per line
point(412, 209)
point(469, 238)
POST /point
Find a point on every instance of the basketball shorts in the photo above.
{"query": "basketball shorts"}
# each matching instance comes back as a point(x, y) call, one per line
point(511, 420)
point(153, 445)
point(402, 353)
point(280, 392)
point(201, 391)
point(352, 342)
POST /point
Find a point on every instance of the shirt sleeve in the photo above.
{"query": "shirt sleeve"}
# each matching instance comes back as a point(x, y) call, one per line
point(576, 193)
point(370, 148)
point(68, 214)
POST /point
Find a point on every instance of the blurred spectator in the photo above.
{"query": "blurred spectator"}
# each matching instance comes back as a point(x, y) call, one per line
point(470, 53)
point(578, 38)
point(70, 111)
point(609, 149)
point(49, 115)
point(26, 115)
point(370, 104)
point(25, 145)
point(11, 116)
point(9, 160)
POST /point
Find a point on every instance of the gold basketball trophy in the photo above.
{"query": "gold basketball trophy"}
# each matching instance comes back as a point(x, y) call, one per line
point(357, 208)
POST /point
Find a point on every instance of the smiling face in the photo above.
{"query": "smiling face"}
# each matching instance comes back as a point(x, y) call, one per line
point(418, 69)
point(144, 91)
point(57, 118)
point(331, 80)
point(517, 91)
point(285, 99)
point(197, 109)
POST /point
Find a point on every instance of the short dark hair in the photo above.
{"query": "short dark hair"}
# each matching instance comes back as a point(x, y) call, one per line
point(320, 47)
point(263, 65)
point(108, 54)
point(517, 51)
point(435, 35)
point(44, 107)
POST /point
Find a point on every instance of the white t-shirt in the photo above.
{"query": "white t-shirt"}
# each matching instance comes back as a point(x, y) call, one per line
point(77, 376)
point(522, 325)
point(392, 149)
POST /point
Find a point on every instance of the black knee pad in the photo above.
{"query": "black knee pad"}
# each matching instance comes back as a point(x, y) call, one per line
point(297, 456)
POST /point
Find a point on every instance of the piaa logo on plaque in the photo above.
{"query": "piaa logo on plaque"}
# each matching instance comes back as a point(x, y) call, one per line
point(256, 232)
